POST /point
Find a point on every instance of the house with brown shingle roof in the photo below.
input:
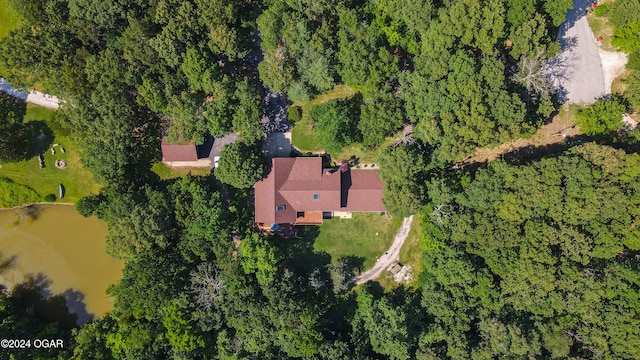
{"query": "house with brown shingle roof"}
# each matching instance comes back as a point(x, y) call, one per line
point(299, 191)
point(190, 155)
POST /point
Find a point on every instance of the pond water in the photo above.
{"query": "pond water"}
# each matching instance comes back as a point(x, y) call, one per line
point(64, 248)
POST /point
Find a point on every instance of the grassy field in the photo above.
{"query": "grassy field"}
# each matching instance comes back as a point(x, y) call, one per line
point(13, 194)
point(364, 155)
point(600, 27)
point(305, 137)
point(166, 172)
point(76, 180)
point(366, 236)
point(410, 254)
point(9, 20)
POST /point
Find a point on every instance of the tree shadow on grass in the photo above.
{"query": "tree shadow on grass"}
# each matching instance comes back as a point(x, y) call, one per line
point(299, 252)
point(355, 263)
point(35, 298)
point(10, 104)
point(35, 130)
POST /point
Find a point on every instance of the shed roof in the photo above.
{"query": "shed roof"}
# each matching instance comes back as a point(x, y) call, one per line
point(178, 152)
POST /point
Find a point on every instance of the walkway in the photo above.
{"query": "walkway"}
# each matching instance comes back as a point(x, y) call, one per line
point(392, 255)
point(33, 97)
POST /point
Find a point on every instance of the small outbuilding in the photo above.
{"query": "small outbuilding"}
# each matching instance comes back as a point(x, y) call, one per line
point(197, 156)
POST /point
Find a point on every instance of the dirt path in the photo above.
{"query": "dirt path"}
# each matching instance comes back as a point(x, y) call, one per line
point(33, 97)
point(392, 255)
point(552, 133)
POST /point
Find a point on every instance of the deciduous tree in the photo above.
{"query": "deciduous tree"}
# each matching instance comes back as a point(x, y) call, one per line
point(240, 165)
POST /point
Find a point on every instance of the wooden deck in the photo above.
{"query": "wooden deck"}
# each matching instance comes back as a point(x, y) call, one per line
point(310, 218)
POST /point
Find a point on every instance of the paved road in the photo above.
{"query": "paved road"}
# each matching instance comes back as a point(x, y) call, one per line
point(583, 80)
point(34, 97)
point(392, 255)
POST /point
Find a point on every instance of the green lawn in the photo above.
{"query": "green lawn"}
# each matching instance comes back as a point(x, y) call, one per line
point(366, 236)
point(9, 20)
point(76, 180)
point(13, 194)
point(600, 27)
point(410, 254)
point(166, 172)
point(364, 155)
point(304, 136)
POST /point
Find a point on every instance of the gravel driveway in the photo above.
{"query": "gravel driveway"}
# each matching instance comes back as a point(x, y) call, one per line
point(583, 81)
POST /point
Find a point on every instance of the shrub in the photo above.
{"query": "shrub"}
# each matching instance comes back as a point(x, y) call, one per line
point(623, 12)
point(634, 60)
point(298, 93)
point(90, 205)
point(602, 10)
point(335, 125)
point(627, 38)
point(600, 118)
point(294, 113)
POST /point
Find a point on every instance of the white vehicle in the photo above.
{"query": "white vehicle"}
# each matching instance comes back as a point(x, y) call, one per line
point(216, 159)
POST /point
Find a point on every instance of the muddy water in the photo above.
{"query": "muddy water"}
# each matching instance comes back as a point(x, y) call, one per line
point(67, 249)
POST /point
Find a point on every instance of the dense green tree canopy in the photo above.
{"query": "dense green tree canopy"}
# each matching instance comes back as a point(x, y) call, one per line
point(240, 165)
point(551, 240)
point(601, 118)
point(402, 168)
point(14, 137)
point(335, 123)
